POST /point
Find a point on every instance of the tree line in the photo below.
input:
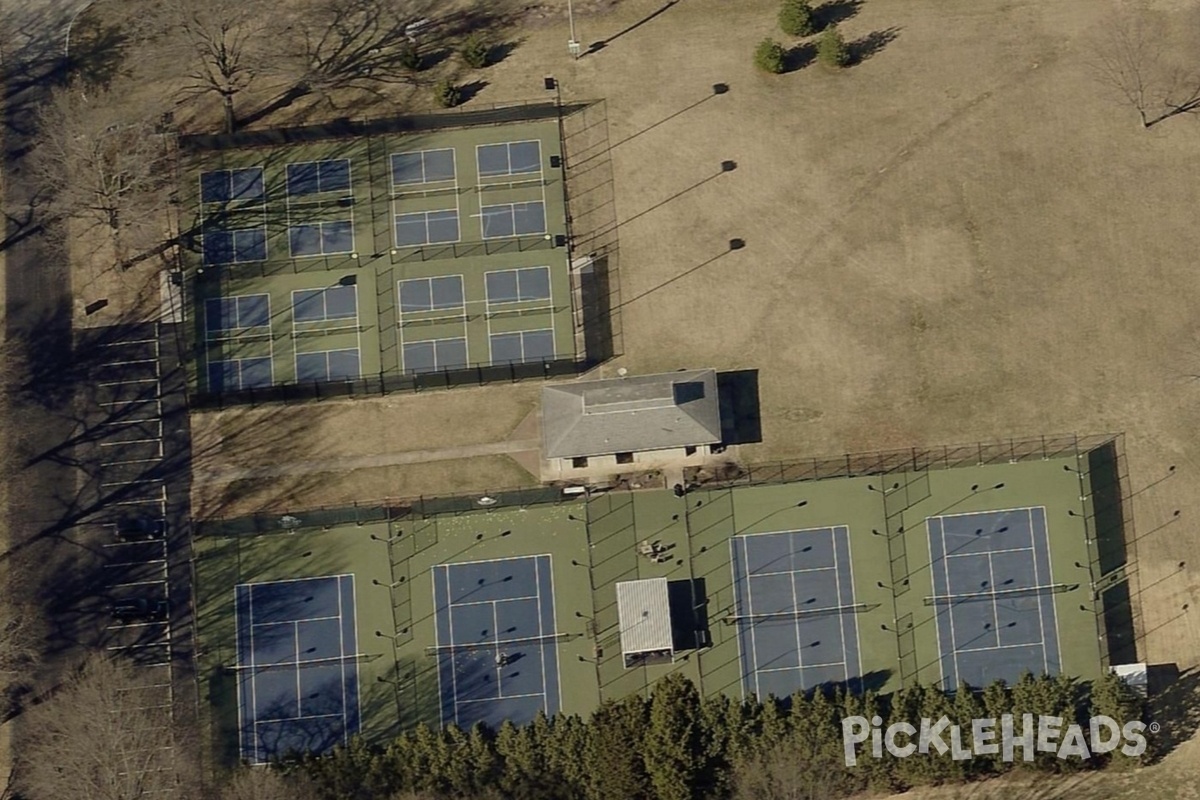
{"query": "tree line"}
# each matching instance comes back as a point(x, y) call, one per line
point(677, 745)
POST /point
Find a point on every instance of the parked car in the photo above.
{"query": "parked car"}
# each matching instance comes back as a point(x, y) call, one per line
point(135, 609)
point(140, 528)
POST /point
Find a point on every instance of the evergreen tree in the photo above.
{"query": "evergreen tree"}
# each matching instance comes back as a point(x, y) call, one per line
point(796, 18)
point(774, 724)
point(613, 756)
point(676, 742)
point(1112, 697)
point(968, 707)
point(563, 743)
point(832, 50)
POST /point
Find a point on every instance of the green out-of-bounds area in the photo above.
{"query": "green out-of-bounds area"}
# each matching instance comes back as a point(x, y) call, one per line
point(369, 256)
point(597, 541)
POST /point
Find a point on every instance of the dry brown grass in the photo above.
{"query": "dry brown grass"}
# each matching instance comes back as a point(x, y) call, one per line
point(962, 238)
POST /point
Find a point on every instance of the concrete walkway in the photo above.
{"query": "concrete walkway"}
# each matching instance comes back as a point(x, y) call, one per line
point(366, 462)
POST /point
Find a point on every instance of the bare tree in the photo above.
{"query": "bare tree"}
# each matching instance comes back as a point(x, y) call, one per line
point(339, 43)
point(98, 163)
point(98, 737)
point(259, 783)
point(1125, 57)
point(220, 47)
point(1132, 55)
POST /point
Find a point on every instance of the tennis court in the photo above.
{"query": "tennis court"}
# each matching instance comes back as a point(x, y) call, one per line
point(496, 640)
point(297, 666)
point(795, 610)
point(994, 597)
point(341, 260)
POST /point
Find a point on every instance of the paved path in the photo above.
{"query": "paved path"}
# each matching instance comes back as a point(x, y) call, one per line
point(364, 462)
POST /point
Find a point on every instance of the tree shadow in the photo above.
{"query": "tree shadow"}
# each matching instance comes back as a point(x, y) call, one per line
point(467, 91)
point(433, 58)
point(798, 57)
point(600, 45)
point(1176, 707)
point(835, 12)
point(97, 53)
point(499, 52)
point(863, 48)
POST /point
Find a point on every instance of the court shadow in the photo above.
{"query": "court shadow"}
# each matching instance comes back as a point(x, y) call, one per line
point(741, 417)
point(688, 604)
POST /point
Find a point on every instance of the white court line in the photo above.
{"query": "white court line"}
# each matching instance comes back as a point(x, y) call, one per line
point(438, 643)
point(123, 342)
point(997, 647)
point(109, 364)
point(296, 639)
point(949, 611)
point(450, 622)
point(136, 646)
point(296, 580)
point(837, 582)
point(554, 653)
point(128, 382)
point(493, 602)
point(537, 582)
point(796, 607)
point(131, 461)
point(130, 421)
point(496, 637)
point(790, 571)
point(341, 647)
point(294, 719)
point(501, 697)
point(291, 621)
point(1037, 582)
point(253, 672)
point(136, 563)
point(125, 626)
point(988, 552)
point(801, 669)
point(984, 513)
point(237, 628)
point(132, 441)
point(136, 583)
point(995, 606)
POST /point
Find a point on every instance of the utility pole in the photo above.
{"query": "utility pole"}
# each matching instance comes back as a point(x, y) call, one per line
point(573, 44)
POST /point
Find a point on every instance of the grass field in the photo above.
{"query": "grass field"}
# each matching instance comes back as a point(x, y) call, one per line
point(379, 255)
point(593, 545)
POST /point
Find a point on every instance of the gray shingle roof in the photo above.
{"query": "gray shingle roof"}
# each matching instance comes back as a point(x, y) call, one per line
point(635, 414)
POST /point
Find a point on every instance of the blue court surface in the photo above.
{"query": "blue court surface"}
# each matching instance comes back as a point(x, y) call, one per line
point(496, 640)
point(795, 611)
point(297, 666)
point(994, 596)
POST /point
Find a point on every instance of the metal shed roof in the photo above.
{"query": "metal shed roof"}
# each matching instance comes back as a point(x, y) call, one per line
point(645, 616)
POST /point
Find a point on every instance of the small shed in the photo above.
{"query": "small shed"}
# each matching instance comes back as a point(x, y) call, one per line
point(644, 613)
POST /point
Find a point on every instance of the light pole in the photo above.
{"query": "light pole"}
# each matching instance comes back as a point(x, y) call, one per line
point(573, 45)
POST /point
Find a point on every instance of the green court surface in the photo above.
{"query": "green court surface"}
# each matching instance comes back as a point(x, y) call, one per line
point(390, 254)
point(596, 542)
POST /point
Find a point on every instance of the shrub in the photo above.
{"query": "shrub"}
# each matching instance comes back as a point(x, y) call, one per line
point(447, 94)
point(832, 50)
point(474, 51)
point(410, 56)
point(796, 18)
point(769, 56)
